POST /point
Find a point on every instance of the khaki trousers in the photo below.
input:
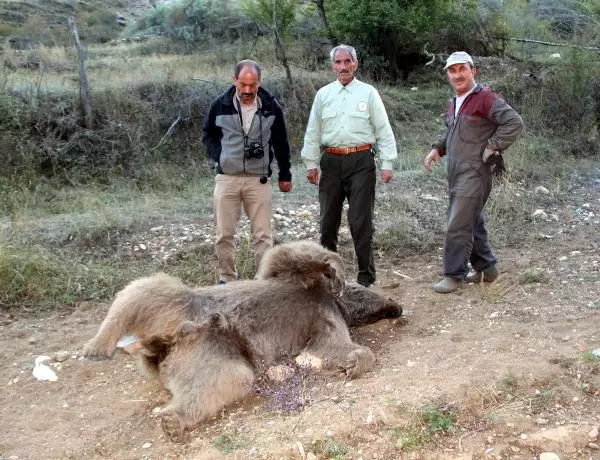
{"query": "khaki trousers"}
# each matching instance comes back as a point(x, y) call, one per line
point(229, 195)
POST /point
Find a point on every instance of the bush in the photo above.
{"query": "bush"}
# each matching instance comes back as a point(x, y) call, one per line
point(561, 99)
point(48, 135)
point(407, 28)
point(197, 22)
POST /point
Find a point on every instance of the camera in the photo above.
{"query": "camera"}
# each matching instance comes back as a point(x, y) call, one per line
point(254, 150)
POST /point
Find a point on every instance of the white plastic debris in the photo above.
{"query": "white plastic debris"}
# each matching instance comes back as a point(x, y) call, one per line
point(43, 372)
point(130, 344)
point(126, 341)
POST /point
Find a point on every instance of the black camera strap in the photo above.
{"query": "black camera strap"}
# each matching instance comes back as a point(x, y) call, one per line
point(265, 158)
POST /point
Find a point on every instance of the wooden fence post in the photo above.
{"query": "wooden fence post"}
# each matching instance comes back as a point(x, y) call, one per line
point(84, 89)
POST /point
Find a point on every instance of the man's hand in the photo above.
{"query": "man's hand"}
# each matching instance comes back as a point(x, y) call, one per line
point(386, 175)
point(493, 159)
point(313, 176)
point(433, 155)
point(285, 186)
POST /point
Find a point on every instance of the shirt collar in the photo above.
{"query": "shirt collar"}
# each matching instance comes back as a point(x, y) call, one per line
point(349, 87)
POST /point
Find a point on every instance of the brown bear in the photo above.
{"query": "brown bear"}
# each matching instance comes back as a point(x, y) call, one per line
point(208, 344)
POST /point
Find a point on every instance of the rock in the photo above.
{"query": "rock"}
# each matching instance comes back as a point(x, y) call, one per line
point(147, 445)
point(61, 356)
point(541, 189)
point(300, 448)
point(305, 213)
point(593, 434)
point(280, 373)
point(32, 340)
point(593, 445)
point(430, 198)
point(539, 214)
point(311, 456)
point(549, 456)
point(544, 236)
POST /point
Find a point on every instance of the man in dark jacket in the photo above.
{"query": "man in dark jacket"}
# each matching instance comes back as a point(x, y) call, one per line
point(243, 131)
point(481, 125)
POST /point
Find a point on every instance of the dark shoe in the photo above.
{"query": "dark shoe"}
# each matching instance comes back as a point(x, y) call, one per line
point(222, 282)
point(487, 275)
point(365, 283)
point(447, 285)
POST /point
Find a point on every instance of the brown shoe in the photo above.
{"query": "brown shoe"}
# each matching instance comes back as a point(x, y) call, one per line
point(447, 285)
point(487, 275)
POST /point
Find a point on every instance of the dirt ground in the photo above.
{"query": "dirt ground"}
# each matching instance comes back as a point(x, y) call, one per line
point(511, 360)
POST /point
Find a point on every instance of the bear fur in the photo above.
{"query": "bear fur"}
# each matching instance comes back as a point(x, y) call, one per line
point(208, 345)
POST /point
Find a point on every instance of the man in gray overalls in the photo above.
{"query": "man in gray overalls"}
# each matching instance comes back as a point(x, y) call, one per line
point(481, 125)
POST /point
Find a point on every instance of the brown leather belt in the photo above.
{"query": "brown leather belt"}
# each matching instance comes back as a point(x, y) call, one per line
point(347, 150)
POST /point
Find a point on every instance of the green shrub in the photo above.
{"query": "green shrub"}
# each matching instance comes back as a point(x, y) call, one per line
point(205, 22)
point(560, 99)
point(407, 28)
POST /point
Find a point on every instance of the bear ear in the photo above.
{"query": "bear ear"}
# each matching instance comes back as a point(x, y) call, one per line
point(335, 278)
point(335, 275)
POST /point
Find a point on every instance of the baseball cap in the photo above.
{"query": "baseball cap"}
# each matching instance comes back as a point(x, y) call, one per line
point(458, 57)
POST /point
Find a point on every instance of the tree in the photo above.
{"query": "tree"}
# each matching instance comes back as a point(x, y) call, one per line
point(395, 32)
point(323, 15)
point(278, 16)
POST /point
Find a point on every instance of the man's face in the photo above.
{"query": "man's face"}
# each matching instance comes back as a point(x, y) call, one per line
point(462, 77)
point(344, 67)
point(247, 84)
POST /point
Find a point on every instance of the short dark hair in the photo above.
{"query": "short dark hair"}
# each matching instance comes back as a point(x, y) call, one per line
point(246, 63)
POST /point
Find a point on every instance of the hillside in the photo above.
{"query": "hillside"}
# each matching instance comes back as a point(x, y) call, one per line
point(32, 18)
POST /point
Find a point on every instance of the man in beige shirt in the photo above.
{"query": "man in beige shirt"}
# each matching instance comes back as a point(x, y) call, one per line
point(348, 126)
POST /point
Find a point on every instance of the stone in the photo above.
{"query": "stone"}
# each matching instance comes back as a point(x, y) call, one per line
point(541, 189)
point(61, 356)
point(549, 456)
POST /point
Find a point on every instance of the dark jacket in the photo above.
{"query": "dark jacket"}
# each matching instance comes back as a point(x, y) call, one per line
point(484, 120)
point(224, 137)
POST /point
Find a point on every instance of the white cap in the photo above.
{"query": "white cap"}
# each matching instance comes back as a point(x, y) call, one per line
point(459, 57)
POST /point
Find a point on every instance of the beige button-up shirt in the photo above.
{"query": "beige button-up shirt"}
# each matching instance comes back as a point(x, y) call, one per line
point(347, 116)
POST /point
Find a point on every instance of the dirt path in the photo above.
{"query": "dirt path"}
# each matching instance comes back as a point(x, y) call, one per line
point(511, 362)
